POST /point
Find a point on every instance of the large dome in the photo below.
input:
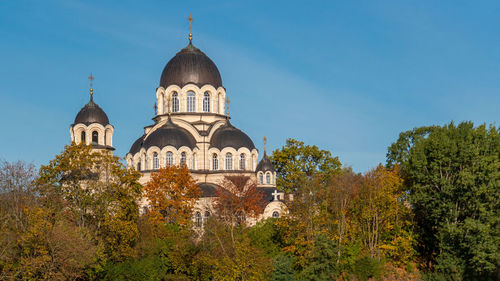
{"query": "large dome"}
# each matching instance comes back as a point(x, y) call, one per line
point(91, 113)
point(229, 136)
point(168, 134)
point(190, 65)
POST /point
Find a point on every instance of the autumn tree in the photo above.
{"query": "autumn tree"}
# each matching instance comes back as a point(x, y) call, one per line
point(171, 195)
point(238, 199)
point(95, 191)
point(16, 194)
point(378, 206)
point(342, 190)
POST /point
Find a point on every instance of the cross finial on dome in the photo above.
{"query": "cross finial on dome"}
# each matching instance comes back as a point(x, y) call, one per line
point(190, 19)
point(156, 109)
point(265, 142)
point(91, 78)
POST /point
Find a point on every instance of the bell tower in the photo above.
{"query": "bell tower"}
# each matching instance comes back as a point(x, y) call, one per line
point(91, 126)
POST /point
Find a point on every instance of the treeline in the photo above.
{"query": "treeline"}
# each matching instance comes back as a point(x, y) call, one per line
point(432, 213)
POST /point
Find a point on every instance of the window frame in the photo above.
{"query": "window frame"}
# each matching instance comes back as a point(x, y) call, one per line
point(175, 102)
point(156, 161)
point(229, 161)
point(169, 159)
point(183, 159)
point(206, 102)
point(191, 101)
point(215, 162)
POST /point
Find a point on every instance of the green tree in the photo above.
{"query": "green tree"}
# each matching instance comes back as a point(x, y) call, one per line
point(296, 162)
point(322, 262)
point(283, 268)
point(453, 177)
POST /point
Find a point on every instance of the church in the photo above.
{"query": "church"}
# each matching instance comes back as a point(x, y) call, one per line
point(191, 127)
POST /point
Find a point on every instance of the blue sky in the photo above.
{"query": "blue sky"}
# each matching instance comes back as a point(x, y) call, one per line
point(347, 76)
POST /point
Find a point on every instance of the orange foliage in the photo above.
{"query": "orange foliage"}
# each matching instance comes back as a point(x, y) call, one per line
point(171, 193)
point(237, 199)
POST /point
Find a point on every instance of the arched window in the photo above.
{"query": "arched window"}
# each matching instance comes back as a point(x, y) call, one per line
point(175, 102)
point(215, 162)
point(276, 214)
point(207, 215)
point(139, 165)
point(197, 219)
point(156, 161)
point(206, 102)
point(169, 159)
point(83, 137)
point(261, 178)
point(183, 158)
point(229, 161)
point(95, 137)
point(268, 178)
point(190, 103)
point(242, 161)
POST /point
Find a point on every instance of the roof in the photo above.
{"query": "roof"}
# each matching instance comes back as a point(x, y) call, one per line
point(230, 136)
point(168, 134)
point(91, 113)
point(136, 146)
point(208, 189)
point(265, 164)
point(190, 65)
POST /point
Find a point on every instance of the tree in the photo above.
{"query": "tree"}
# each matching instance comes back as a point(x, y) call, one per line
point(321, 263)
point(342, 189)
point(95, 191)
point(16, 194)
point(377, 206)
point(238, 199)
point(171, 193)
point(296, 162)
point(453, 178)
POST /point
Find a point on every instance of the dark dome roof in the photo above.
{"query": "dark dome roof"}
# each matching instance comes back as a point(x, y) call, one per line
point(91, 113)
point(265, 164)
point(190, 65)
point(229, 136)
point(169, 134)
point(208, 189)
point(136, 146)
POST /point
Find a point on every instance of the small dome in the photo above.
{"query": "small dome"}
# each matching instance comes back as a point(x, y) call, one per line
point(229, 136)
point(91, 113)
point(136, 146)
point(265, 164)
point(190, 65)
point(169, 134)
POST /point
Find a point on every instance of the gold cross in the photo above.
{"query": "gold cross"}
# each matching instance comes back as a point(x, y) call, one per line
point(227, 106)
point(155, 107)
point(91, 78)
point(265, 142)
point(190, 19)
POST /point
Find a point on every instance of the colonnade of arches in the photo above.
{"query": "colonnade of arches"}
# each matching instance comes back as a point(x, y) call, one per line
point(267, 178)
point(95, 134)
point(229, 159)
point(191, 99)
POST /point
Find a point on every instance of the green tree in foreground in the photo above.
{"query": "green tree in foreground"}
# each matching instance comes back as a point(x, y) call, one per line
point(296, 163)
point(453, 177)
